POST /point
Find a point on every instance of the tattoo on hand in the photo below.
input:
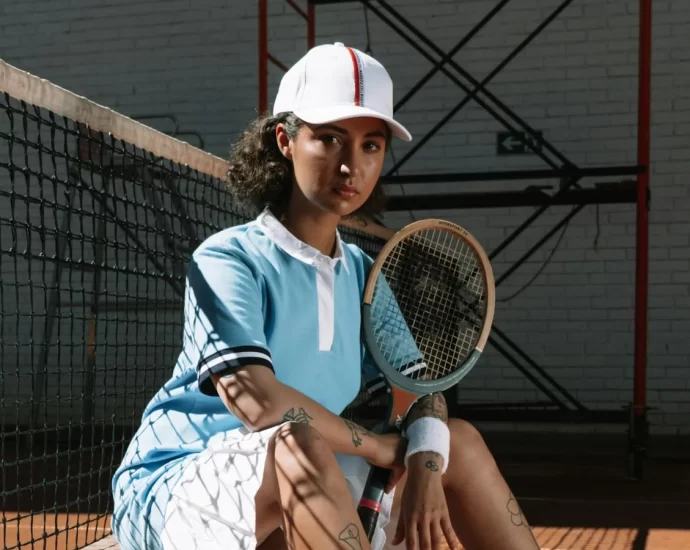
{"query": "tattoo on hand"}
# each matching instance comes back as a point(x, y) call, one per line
point(357, 432)
point(300, 416)
point(350, 537)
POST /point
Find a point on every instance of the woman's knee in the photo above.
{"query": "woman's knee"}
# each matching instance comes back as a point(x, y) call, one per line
point(467, 446)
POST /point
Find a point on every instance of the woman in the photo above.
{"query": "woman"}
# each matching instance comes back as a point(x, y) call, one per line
point(244, 447)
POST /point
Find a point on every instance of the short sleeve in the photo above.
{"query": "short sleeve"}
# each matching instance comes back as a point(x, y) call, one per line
point(394, 333)
point(372, 379)
point(224, 314)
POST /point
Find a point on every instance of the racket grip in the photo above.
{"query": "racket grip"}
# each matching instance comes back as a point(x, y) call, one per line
point(370, 504)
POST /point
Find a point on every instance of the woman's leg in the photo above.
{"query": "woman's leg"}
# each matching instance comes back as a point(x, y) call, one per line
point(239, 491)
point(483, 510)
point(302, 480)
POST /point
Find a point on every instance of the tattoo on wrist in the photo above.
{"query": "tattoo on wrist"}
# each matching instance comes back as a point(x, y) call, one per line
point(300, 416)
point(431, 465)
point(433, 460)
point(349, 537)
point(357, 432)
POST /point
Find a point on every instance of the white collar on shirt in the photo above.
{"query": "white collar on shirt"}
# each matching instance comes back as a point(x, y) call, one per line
point(277, 232)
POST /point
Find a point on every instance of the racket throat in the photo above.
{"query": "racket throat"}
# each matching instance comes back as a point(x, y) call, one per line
point(402, 401)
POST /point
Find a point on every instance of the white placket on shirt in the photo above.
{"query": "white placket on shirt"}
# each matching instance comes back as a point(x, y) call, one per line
point(325, 293)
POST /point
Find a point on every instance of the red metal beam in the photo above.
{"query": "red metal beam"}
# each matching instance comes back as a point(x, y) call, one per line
point(263, 57)
point(642, 255)
point(311, 25)
point(277, 62)
point(295, 7)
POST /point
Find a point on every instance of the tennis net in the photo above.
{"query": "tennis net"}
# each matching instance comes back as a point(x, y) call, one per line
point(98, 217)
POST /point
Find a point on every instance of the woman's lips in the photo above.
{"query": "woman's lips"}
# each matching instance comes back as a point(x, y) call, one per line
point(346, 191)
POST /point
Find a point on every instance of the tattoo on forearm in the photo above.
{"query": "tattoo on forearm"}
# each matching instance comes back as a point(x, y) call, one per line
point(300, 416)
point(433, 405)
point(357, 432)
point(350, 537)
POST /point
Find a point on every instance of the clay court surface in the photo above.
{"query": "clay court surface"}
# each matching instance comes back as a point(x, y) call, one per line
point(572, 489)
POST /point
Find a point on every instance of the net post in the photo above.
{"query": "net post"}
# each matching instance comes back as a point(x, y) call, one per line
point(88, 385)
point(53, 305)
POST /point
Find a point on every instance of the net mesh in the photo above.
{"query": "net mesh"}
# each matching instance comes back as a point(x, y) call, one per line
point(95, 233)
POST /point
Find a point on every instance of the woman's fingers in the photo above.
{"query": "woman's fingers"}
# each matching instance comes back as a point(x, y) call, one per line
point(437, 536)
point(395, 477)
point(424, 529)
point(399, 531)
point(425, 525)
point(451, 538)
point(411, 536)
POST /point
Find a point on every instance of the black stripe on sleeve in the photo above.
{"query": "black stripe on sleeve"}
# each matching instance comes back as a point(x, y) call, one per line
point(227, 361)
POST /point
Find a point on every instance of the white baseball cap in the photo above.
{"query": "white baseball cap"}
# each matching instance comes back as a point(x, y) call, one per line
point(335, 82)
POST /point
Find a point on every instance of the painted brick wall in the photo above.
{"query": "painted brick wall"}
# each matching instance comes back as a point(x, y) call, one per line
point(576, 82)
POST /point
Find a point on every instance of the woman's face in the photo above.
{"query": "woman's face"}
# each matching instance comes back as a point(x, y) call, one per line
point(336, 165)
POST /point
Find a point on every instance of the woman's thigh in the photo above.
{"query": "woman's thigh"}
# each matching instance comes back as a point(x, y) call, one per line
point(225, 496)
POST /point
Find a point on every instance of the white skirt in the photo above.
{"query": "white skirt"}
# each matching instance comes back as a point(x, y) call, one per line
point(212, 505)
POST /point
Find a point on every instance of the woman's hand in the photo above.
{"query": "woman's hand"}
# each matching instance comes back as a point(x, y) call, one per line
point(424, 521)
point(389, 452)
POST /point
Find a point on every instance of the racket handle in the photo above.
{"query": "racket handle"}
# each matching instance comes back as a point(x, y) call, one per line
point(370, 504)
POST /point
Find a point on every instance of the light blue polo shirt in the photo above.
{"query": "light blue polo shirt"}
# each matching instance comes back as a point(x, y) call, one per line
point(255, 295)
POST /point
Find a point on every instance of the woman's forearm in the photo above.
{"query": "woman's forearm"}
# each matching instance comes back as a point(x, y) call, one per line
point(260, 401)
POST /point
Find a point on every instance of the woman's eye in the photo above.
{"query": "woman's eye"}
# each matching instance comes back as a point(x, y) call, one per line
point(372, 146)
point(329, 139)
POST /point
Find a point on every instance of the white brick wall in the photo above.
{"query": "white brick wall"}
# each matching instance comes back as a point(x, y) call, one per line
point(577, 82)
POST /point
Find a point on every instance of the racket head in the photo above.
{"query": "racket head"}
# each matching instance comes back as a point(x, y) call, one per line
point(428, 306)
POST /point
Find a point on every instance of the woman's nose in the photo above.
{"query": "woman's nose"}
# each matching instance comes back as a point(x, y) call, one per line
point(348, 162)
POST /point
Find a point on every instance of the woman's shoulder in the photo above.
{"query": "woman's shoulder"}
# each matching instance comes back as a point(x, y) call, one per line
point(359, 259)
point(237, 242)
point(358, 254)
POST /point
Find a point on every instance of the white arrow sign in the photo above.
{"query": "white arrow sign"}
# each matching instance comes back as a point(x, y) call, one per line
point(510, 143)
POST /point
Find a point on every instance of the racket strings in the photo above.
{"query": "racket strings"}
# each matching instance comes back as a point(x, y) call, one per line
point(430, 303)
point(457, 334)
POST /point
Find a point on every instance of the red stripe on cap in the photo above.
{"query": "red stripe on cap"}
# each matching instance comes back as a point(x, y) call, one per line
point(355, 65)
point(371, 504)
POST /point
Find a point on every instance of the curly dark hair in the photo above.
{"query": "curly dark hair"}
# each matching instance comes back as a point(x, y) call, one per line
point(258, 174)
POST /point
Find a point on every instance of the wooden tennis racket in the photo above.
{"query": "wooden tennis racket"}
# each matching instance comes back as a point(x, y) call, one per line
point(427, 312)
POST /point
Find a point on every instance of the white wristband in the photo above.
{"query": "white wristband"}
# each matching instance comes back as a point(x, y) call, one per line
point(428, 434)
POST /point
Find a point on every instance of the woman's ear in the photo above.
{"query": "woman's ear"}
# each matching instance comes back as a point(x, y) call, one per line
point(283, 140)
